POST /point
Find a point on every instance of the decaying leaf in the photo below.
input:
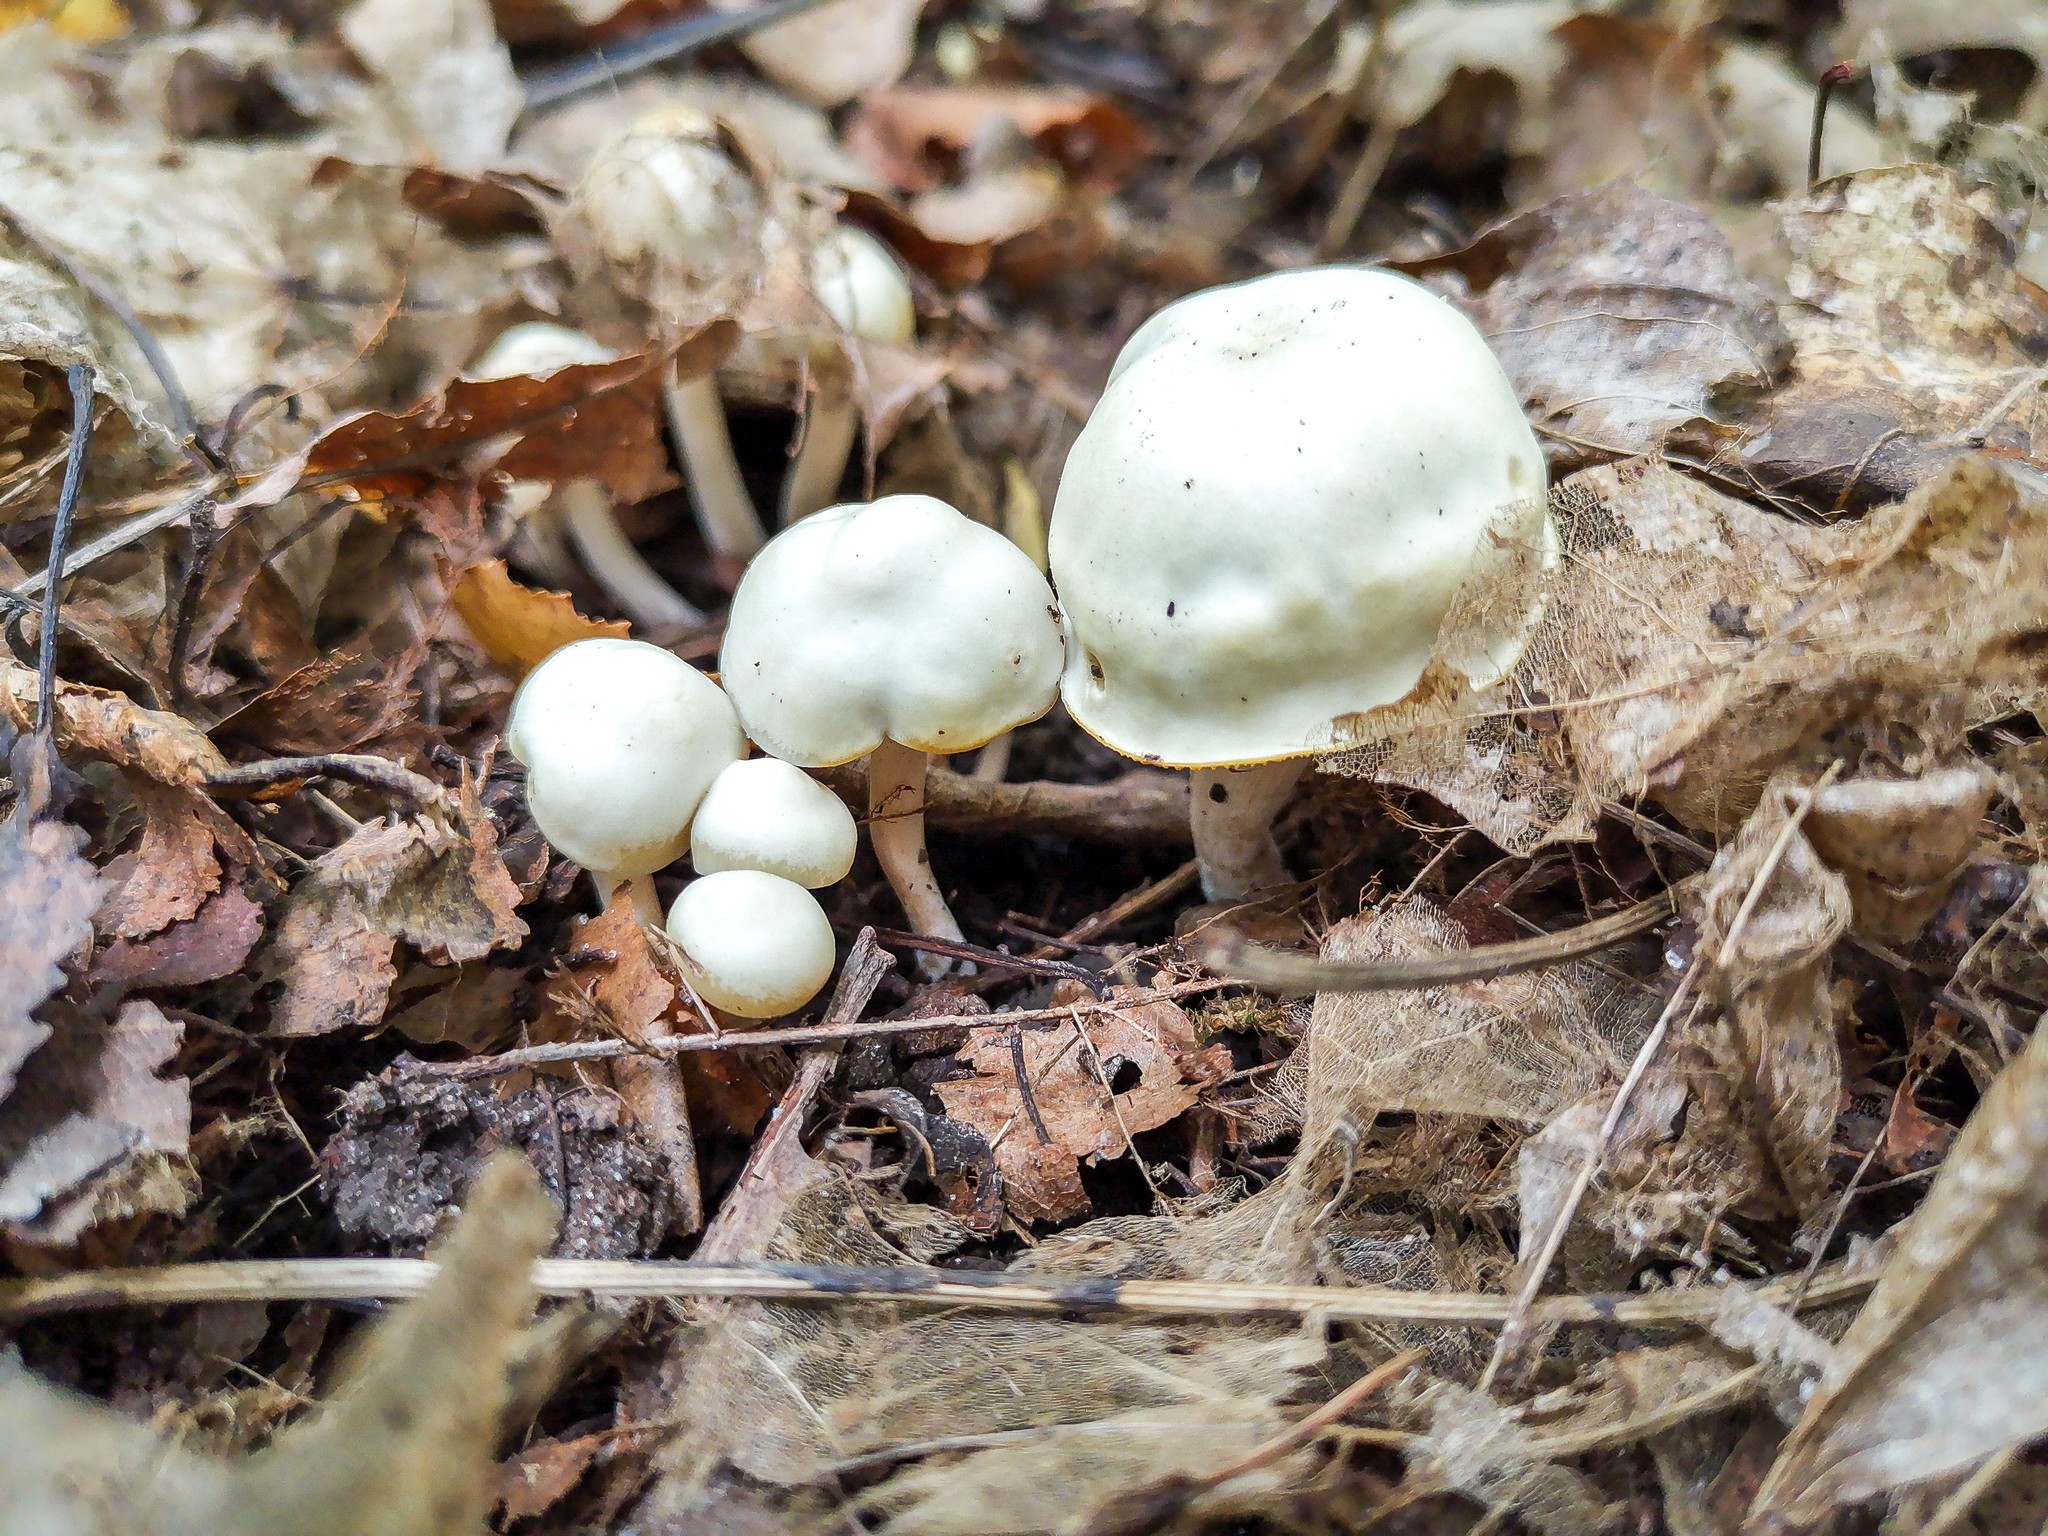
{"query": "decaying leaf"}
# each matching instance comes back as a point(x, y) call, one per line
point(517, 626)
point(404, 1449)
point(52, 893)
point(446, 73)
point(112, 728)
point(841, 50)
point(438, 885)
point(1047, 1099)
point(1948, 1360)
point(1619, 314)
point(213, 943)
point(911, 136)
point(86, 1108)
point(170, 872)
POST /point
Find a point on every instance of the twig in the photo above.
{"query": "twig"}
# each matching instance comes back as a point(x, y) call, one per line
point(394, 1279)
point(79, 378)
point(1228, 952)
point(995, 959)
point(1834, 75)
point(657, 45)
point(272, 778)
point(1299, 1434)
point(143, 525)
point(826, 1033)
point(1144, 806)
point(1956, 1508)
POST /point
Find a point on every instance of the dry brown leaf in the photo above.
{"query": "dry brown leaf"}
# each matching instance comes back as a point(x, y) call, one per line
point(1948, 1360)
point(405, 1448)
point(1917, 341)
point(112, 728)
point(1632, 101)
point(1075, 1109)
point(212, 944)
point(520, 627)
point(1900, 843)
point(89, 1101)
point(169, 874)
point(440, 887)
point(1620, 315)
point(913, 137)
point(51, 895)
point(839, 51)
point(1916, 28)
point(542, 1475)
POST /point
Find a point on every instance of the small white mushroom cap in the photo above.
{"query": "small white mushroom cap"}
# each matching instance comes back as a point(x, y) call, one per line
point(538, 347)
point(900, 619)
point(675, 221)
point(765, 814)
point(620, 740)
point(862, 287)
point(1265, 521)
point(754, 944)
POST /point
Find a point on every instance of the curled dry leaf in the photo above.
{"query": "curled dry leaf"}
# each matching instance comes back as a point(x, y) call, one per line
point(1904, 29)
point(913, 137)
point(1620, 315)
point(520, 627)
point(446, 74)
point(441, 887)
point(110, 727)
point(213, 943)
point(1900, 843)
point(169, 873)
point(86, 1108)
point(1045, 1099)
point(405, 1448)
point(1948, 1360)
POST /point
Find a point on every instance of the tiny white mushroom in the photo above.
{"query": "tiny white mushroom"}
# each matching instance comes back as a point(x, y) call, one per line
point(620, 740)
point(765, 814)
point(860, 285)
point(680, 227)
point(753, 944)
point(891, 629)
point(1263, 526)
point(584, 507)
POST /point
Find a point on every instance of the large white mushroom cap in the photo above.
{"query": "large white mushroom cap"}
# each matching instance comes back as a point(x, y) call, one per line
point(765, 814)
point(753, 944)
point(900, 619)
point(1264, 523)
point(620, 740)
point(862, 287)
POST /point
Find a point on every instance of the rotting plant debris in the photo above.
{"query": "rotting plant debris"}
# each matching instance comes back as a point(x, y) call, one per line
point(1602, 1088)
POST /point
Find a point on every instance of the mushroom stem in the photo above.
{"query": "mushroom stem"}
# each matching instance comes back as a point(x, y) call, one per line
point(725, 512)
point(646, 900)
point(896, 829)
point(609, 556)
point(993, 765)
point(829, 428)
point(543, 547)
point(1230, 812)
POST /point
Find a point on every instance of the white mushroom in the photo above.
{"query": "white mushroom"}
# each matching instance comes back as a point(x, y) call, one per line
point(753, 944)
point(678, 226)
point(537, 349)
point(1263, 525)
point(861, 287)
point(620, 740)
point(765, 814)
point(891, 629)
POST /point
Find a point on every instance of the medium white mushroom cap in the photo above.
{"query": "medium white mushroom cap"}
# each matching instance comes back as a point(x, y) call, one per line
point(753, 944)
point(676, 223)
point(862, 287)
point(899, 619)
point(537, 347)
point(620, 740)
point(1264, 523)
point(765, 814)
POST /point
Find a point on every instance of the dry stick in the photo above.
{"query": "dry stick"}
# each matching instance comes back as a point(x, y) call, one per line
point(1838, 74)
point(1954, 1509)
point(273, 777)
point(659, 45)
point(1307, 1429)
point(1229, 953)
point(395, 1279)
point(828, 1032)
point(79, 378)
point(1516, 1330)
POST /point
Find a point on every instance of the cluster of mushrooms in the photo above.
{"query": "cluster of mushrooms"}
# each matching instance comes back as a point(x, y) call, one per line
point(1256, 540)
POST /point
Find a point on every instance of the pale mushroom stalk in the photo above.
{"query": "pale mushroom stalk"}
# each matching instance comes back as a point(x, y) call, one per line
point(1231, 812)
point(992, 764)
point(859, 284)
point(896, 776)
point(643, 596)
point(726, 514)
point(646, 900)
point(830, 427)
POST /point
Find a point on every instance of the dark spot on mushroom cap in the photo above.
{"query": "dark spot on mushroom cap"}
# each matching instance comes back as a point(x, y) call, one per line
point(1169, 610)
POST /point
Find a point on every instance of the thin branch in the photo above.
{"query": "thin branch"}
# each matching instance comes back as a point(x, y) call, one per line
point(79, 378)
point(272, 778)
point(395, 1279)
point(658, 45)
point(1228, 952)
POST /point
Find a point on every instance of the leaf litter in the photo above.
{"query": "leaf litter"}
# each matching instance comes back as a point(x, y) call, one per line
point(286, 968)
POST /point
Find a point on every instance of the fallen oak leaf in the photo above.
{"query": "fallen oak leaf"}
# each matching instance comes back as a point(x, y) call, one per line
point(171, 871)
point(110, 727)
point(911, 136)
point(519, 627)
point(212, 943)
point(51, 893)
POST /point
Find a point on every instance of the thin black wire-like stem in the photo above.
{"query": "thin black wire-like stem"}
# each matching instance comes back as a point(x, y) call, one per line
point(80, 379)
point(614, 61)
